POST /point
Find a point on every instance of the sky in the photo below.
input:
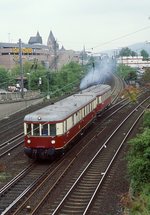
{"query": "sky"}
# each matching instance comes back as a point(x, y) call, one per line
point(96, 25)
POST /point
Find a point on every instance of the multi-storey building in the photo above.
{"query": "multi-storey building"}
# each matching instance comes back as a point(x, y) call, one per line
point(34, 50)
point(135, 62)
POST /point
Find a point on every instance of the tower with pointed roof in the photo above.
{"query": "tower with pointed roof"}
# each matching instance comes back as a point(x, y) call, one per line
point(52, 42)
point(35, 39)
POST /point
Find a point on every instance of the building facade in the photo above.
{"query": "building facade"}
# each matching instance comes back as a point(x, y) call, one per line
point(9, 53)
point(134, 62)
point(50, 55)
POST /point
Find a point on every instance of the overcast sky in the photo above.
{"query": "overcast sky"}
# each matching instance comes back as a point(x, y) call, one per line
point(95, 24)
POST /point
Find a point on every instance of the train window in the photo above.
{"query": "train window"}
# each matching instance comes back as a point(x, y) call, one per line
point(97, 100)
point(59, 127)
point(52, 129)
point(69, 123)
point(80, 114)
point(77, 117)
point(73, 119)
point(90, 107)
point(65, 126)
point(85, 111)
point(40, 129)
point(36, 130)
point(44, 130)
point(95, 103)
point(48, 129)
point(100, 99)
point(28, 129)
point(25, 128)
point(32, 129)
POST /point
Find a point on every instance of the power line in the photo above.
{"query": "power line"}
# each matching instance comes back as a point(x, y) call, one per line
point(121, 37)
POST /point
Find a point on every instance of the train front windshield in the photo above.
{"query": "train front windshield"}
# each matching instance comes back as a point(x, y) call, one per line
point(39, 129)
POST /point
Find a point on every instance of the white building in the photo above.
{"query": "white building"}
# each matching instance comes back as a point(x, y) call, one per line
point(135, 62)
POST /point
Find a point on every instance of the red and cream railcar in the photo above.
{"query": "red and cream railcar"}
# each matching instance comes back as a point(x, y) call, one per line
point(50, 129)
point(102, 94)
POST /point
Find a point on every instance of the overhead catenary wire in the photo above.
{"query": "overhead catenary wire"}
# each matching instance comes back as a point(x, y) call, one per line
point(120, 37)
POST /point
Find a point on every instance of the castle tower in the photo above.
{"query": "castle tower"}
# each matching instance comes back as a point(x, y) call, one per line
point(52, 42)
point(35, 39)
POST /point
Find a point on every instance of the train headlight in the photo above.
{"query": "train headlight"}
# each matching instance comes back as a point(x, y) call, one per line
point(53, 141)
point(39, 118)
point(28, 141)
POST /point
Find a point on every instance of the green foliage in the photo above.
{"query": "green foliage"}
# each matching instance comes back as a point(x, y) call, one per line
point(13, 74)
point(54, 83)
point(127, 52)
point(146, 76)
point(126, 72)
point(141, 204)
point(4, 78)
point(66, 79)
point(146, 122)
point(139, 169)
point(139, 156)
point(144, 54)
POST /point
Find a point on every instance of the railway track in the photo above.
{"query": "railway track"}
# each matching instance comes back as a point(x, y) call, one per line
point(11, 144)
point(20, 184)
point(101, 167)
point(117, 89)
point(80, 196)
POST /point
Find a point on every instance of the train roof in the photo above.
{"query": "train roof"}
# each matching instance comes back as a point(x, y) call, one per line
point(64, 108)
point(61, 109)
point(97, 89)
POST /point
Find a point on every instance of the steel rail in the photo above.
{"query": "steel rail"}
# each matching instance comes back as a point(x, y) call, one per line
point(111, 162)
point(103, 146)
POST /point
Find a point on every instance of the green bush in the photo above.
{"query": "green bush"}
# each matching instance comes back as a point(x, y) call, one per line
point(139, 170)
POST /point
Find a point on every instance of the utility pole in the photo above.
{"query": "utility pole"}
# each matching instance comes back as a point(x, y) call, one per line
point(55, 55)
point(48, 80)
point(21, 68)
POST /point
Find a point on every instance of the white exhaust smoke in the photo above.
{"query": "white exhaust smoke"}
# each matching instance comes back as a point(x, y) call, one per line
point(97, 75)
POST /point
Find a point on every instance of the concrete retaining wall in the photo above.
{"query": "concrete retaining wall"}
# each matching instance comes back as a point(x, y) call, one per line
point(9, 108)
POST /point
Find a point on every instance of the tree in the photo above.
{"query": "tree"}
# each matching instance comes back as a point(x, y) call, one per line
point(139, 156)
point(146, 122)
point(126, 72)
point(144, 54)
point(133, 53)
point(146, 76)
point(127, 52)
point(59, 82)
point(4, 78)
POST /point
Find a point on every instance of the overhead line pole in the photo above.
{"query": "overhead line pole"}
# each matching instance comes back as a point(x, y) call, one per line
point(21, 68)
